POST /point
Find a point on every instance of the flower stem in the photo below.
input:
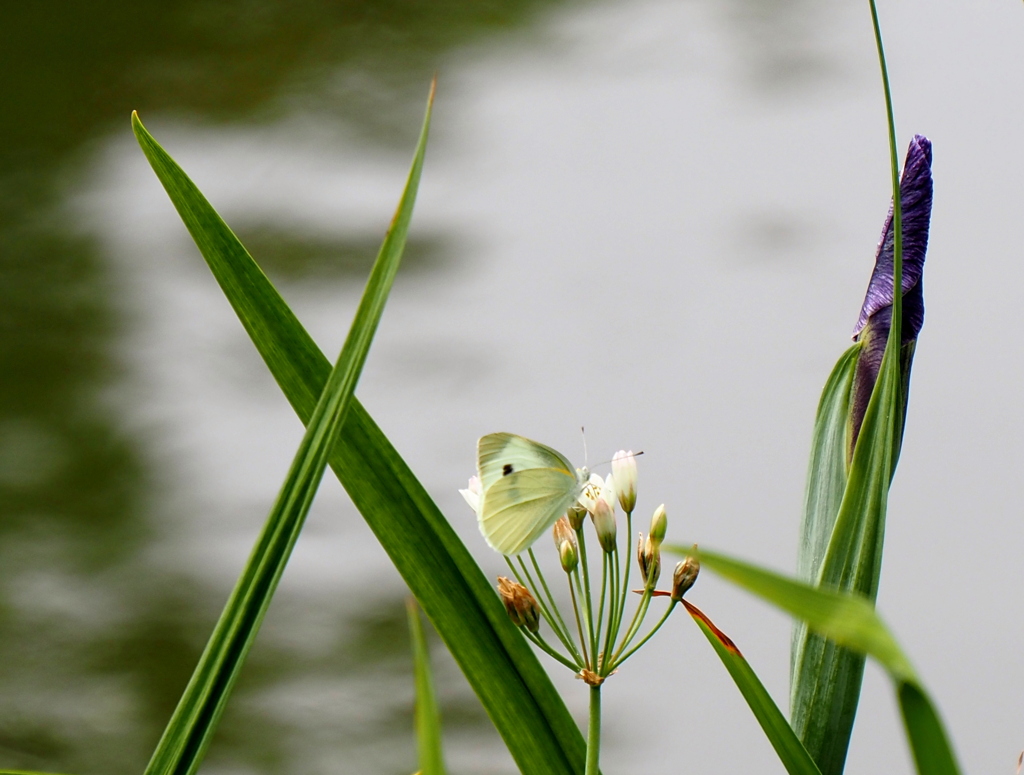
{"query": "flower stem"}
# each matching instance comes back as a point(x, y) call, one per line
point(619, 660)
point(613, 616)
point(629, 565)
point(594, 731)
point(575, 576)
point(543, 644)
point(527, 581)
point(634, 624)
point(588, 606)
point(563, 633)
point(605, 564)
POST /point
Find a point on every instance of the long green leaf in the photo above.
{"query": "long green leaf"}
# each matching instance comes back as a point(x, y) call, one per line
point(826, 472)
point(500, 666)
point(826, 679)
point(850, 620)
point(826, 483)
point(428, 717)
point(787, 745)
point(191, 728)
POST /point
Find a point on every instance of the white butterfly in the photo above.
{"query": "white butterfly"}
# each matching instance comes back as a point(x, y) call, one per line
point(524, 487)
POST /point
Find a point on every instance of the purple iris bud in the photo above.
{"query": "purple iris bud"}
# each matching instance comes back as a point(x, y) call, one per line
point(873, 325)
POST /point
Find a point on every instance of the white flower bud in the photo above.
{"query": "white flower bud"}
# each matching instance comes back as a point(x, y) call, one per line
point(604, 522)
point(659, 525)
point(565, 544)
point(624, 474)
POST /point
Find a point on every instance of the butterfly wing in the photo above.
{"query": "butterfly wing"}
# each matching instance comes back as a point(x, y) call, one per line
point(517, 508)
point(501, 454)
point(526, 487)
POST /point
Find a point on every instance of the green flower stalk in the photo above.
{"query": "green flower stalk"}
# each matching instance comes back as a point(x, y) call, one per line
point(516, 480)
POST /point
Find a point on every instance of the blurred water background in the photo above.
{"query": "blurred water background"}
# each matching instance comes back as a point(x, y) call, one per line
point(655, 219)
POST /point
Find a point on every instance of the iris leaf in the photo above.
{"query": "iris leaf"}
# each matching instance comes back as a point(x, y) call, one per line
point(787, 745)
point(851, 621)
point(826, 678)
point(448, 584)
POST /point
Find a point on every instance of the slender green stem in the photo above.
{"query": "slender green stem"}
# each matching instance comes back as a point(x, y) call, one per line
point(634, 625)
point(544, 611)
point(896, 325)
point(586, 616)
point(594, 731)
point(612, 630)
point(543, 645)
point(527, 581)
point(575, 576)
point(619, 660)
point(589, 606)
point(629, 565)
point(605, 564)
point(565, 636)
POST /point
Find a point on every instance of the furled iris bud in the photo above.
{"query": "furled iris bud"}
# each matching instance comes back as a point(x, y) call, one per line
point(872, 328)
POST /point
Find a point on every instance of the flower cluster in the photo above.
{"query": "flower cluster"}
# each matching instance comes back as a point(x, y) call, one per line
point(599, 637)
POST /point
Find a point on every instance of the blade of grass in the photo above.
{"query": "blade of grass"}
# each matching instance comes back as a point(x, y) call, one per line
point(428, 717)
point(851, 621)
point(500, 666)
point(787, 745)
point(191, 728)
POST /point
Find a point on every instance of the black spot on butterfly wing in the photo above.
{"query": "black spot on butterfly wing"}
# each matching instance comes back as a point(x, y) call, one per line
point(506, 469)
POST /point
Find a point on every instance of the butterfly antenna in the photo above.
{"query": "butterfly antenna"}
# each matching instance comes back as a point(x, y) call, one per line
point(583, 433)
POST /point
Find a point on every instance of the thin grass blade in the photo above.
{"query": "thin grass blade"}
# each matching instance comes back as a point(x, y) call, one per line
point(448, 584)
point(849, 620)
point(428, 716)
point(787, 745)
point(193, 723)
